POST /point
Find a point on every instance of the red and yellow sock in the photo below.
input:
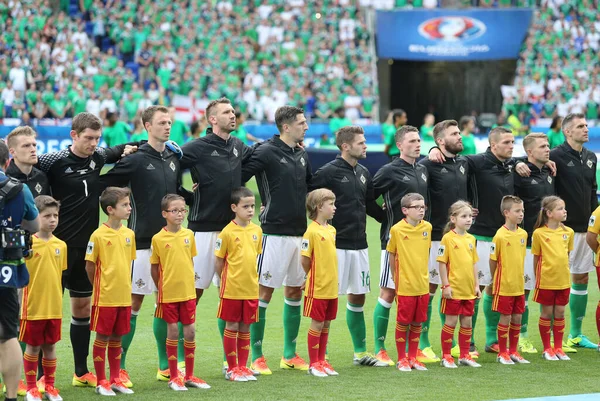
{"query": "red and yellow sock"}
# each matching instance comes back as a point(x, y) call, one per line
point(114, 359)
point(30, 365)
point(314, 338)
point(323, 343)
point(414, 335)
point(230, 339)
point(559, 331)
point(545, 329)
point(503, 338)
point(514, 332)
point(172, 357)
point(243, 348)
point(464, 340)
point(189, 347)
point(401, 334)
point(99, 354)
point(49, 366)
point(447, 336)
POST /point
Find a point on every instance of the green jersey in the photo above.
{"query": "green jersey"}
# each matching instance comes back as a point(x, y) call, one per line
point(117, 134)
point(178, 132)
point(469, 147)
point(389, 138)
point(555, 138)
point(142, 136)
point(427, 141)
point(241, 134)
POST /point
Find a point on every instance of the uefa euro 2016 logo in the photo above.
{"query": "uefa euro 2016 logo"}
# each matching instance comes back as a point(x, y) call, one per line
point(451, 29)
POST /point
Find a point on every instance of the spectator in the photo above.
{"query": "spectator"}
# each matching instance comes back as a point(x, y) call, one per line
point(339, 120)
point(115, 132)
point(467, 128)
point(555, 134)
point(18, 76)
point(426, 132)
point(8, 98)
point(352, 104)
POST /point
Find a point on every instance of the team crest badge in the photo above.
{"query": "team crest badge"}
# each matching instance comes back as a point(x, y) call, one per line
point(492, 248)
point(522, 241)
point(92, 164)
point(140, 283)
point(480, 274)
point(90, 248)
point(565, 237)
point(527, 278)
point(196, 277)
point(57, 252)
point(218, 244)
point(267, 276)
point(471, 247)
point(302, 161)
point(510, 168)
point(235, 152)
point(186, 241)
point(254, 237)
point(441, 250)
point(304, 246)
point(128, 241)
point(425, 234)
point(424, 177)
point(590, 163)
point(592, 221)
point(434, 273)
point(462, 170)
point(172, 165)
point(38, 188)
point(363, 179)
point(549, 180)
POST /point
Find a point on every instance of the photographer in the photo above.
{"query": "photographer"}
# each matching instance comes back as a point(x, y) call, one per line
point(19, 211)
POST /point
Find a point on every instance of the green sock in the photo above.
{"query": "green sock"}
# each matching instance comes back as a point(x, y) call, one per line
point(424, 339)
point(128, 338)
point(180, 347)
point(355, 318)
point(474, 320)
point(491, 320)
point(381, 317)
point(443, 319)
point(525, 317)
point(159, 327)
point(291, 326)
point(577, 306)
point(23, 346)
point(257, 330)
point(221, 326)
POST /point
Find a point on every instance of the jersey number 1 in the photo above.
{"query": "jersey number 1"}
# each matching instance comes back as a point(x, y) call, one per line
point(85, 188)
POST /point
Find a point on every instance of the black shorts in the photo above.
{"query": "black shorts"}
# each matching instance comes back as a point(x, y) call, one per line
point(75, 278)
point(9, 313)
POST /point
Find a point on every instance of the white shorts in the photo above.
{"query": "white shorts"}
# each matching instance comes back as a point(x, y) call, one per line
point(385, 272)
point(204, 261)
point(279, 263)
point(529, 271)
point(434, 265)
point(581, 258)
point(353, 271)
point(141, 276)
point(483, 266)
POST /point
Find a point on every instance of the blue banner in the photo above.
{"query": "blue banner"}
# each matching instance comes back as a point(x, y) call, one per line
point(452, 35)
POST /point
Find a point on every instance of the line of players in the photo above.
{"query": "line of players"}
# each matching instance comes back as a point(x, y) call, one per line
point(219, 163)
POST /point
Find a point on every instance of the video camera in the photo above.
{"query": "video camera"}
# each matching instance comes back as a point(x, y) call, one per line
point(15, 243)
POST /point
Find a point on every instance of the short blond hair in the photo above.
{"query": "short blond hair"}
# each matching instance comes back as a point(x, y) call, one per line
point(316, 199)
point(11, 138)
point(529, 140)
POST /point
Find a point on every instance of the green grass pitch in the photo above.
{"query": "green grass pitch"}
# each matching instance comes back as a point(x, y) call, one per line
point(491, 382)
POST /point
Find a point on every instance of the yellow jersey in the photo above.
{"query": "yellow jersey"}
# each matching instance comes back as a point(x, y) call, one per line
point(552, 248)
point(173, 253)
point(42, 298)
point(240, 247)
point(112, 251)
point(508, 249)
point(318, 244)
point(411, 246)
point(459, 253)
point(594, 227)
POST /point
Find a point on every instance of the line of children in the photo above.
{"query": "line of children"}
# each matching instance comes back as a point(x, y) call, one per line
point(592, 240)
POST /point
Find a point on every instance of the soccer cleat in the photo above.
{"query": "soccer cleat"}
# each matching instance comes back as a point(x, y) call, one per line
point(383, 357)
point(33, 395)
point(504, 359)
point(125, 379)
point(103, 388)
point(259, 367)
point(196, 382)
point(526, 346)
point(567, 349)
point(295, 363)
point(364, 359)
point(225, 367)
point(329, 369)
point(22, 389)
point(177, 384)
point(492, 349)
point(517, 358)
point(560, 354)
point(51, 394)
point(248, 374)
point(163, 375)
point(448, 362)
point(403, 365)
point(41, 385)
point(581, 341)
point(467, 360)
point(427, 356)
point(87, 380)
point(455, 352)
point(181, 368)
point(549, 355)
point(473, 351)
point(416, 365)
point(235, 375)
point(317, 370)
point(119, 387)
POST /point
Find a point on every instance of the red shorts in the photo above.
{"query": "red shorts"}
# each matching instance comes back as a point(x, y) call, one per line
point(412, 308)
point(509, 305)
point(457, 307)
point(552, 297)
point(40, 332)
point(110, 320)
point(175, 312)
point(238, 310)
point(320, 309)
